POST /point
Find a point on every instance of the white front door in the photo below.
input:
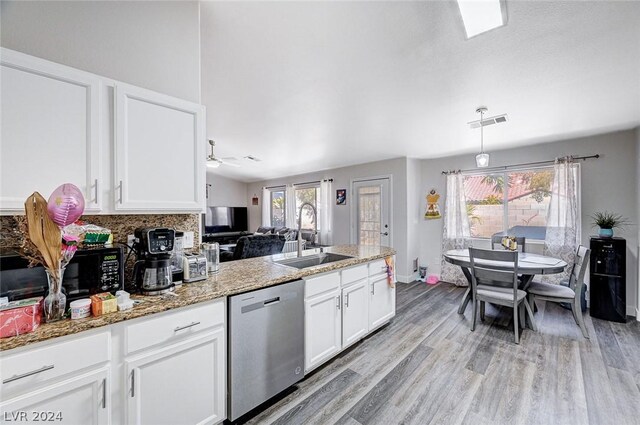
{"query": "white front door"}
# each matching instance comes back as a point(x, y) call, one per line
point(372, 212)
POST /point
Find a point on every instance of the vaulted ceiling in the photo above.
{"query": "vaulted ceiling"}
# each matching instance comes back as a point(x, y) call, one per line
point(306, 86)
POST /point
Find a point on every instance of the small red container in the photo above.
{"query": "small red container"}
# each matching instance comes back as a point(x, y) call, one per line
point(20, 317)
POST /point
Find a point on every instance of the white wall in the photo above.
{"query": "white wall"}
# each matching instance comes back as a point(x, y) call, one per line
point(342, 178)
point(151, 44)
point(609, 183)
point(225, 192)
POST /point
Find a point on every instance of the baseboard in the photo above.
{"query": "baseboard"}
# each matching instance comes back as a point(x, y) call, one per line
point(632, 311)
point(406, 279)
point(638, 314)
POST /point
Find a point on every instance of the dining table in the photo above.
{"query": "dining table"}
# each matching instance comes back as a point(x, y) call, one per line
point(529, 265)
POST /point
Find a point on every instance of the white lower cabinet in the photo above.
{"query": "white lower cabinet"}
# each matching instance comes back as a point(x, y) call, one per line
point(180, 384)
point(355, 313)
point(83, 399)
point(343, 307)
point(322, 328)
point(382, 301)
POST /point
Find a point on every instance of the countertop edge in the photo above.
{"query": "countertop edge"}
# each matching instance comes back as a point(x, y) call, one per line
point(186, 295)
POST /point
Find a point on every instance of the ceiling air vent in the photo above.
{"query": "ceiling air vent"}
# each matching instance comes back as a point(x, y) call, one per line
point(252, 158)
point(498, 119)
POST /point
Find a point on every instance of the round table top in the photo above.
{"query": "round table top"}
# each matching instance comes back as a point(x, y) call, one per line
point(528, 263)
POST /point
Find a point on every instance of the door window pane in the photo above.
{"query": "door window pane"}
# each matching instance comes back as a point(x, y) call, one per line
point(278, 208)
point(369, 215)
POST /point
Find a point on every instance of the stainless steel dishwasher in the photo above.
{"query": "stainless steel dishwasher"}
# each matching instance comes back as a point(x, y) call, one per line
point(266, 345)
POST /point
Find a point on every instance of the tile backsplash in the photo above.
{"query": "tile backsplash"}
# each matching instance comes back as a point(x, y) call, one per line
point(120, 225)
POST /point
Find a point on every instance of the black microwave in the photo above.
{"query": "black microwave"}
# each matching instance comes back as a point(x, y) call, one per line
point(90, 271)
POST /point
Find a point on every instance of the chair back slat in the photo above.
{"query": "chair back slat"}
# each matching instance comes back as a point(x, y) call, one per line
point(576, 279)
point(490, 269)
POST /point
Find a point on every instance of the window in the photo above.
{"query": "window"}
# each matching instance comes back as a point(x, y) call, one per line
point(518, 207)
point(310, 195)
point(278, 207)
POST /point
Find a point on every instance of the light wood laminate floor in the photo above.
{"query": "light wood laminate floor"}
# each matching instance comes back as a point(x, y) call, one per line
point(427, 367)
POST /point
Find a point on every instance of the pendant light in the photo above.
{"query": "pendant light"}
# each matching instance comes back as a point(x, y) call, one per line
point(482, 159)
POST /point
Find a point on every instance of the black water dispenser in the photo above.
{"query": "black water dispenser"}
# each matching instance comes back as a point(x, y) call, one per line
point(607, 279)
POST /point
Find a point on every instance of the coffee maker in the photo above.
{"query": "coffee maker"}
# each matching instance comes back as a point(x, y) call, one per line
point(152, 270)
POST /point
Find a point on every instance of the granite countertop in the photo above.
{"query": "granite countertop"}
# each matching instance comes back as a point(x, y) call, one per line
point(234, 277)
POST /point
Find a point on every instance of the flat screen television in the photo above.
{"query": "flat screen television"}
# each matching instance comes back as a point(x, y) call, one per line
point(225, 219)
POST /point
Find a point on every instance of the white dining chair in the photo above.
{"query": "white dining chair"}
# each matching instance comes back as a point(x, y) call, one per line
point(495, 280)
point(565, 294)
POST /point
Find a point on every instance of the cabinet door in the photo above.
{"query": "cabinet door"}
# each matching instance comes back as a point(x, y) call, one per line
point(355, 313)
point(50, 130)
point(184, 383)
point(322, 332)
point(80, 400)
point(160, 152)
point(382, 301)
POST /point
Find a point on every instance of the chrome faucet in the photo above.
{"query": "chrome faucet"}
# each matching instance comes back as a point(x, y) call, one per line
point(315, 225)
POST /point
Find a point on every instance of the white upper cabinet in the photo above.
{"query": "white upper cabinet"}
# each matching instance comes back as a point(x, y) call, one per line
point(50, 130)
point(159, 152)
point(61, 125)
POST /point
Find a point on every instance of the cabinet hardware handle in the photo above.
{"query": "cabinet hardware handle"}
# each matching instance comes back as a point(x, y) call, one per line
point(24, 375)
point(346, 300)
point(104, 393)
point(120, 188)
point(180, 328)
point(96, 189)
point(373, 289)
point(133, 383)
point(338, 302)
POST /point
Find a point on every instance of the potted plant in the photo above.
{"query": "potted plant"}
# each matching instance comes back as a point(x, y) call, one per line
point(607, 222)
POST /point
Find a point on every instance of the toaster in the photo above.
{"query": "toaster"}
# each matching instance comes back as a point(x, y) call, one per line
point(195, 268)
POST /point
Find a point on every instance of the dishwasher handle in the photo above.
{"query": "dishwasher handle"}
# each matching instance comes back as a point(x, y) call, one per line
point(271, 301)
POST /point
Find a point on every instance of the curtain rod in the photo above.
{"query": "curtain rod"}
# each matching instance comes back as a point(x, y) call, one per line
point(298, 184)
point(506, 167)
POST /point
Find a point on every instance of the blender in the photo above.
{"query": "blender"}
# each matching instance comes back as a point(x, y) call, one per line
point(152, 272)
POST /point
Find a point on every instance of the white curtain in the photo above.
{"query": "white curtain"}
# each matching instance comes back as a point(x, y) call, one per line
point(563, 216)
point(325, 213)
point(456, 233)
point(290, 202)
point(266, 207)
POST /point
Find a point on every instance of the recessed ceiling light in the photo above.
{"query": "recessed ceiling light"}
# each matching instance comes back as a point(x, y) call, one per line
point(481, 16)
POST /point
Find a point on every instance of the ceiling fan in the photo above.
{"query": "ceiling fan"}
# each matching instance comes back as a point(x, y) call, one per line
point(214, 162)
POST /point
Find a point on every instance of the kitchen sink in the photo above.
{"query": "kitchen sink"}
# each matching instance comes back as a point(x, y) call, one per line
point(313, 260)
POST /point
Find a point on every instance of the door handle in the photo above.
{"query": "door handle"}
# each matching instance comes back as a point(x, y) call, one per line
point(24, 375)
point(384, 233)
point(120, 188)
point(346, 300)
point(181, 328)
point(133, 383)
point(373, 289)
point(104, 393)
point(96, 189)
point(338, 302)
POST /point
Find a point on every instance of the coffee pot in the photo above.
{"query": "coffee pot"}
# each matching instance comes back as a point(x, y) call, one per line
point(152, 271)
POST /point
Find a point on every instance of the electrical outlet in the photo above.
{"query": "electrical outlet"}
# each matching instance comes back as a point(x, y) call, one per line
point(188, 240)
point(130, 240)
